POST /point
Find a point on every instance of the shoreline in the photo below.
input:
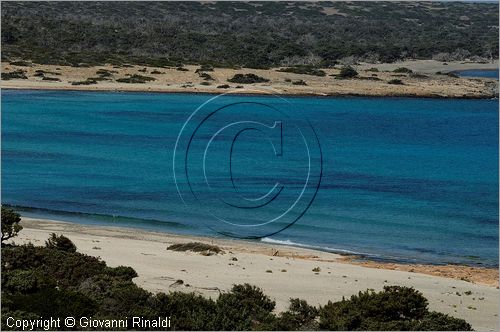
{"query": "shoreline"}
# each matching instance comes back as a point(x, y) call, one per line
point(372, 80)
point(250, 93)
point(283, 272)
point(346, 255)
point(475, 274)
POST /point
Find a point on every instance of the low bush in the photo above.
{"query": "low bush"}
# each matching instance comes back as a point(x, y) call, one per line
point(10, 223)
point(246, 307)
point(16, 74)
point(182, 69)
point(247, 79)
point(300, 316)
point(347, 72)
point(44, 72)
point(304, 70)
point(204, 68)
point(395, 81)
point(105, 72)
point(395, 308)
point(403, 70)
point(88, 81)
point(299, 82)
point(53, 79)
point(136, 79)
point(206, 76)
point(223, 86)
point(195, 247)
point(60, 242)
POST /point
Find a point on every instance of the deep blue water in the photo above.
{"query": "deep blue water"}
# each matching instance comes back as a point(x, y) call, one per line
point(402, 179)
point(478, 73)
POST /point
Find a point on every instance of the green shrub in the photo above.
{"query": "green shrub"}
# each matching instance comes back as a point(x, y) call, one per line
point(245, 307)
point(98, 79)
point(247, 79)
point(53, 79)
point(395, 81)
point(347, 72)
point(136, 79)
point(50, 302)
point(88, 81)
point(395, 308)
point(206, 76)
point(10, 223)
point(196, 247)
point(304, 70)
point(300, 316)
point(204, 68)
point(299, 82)
point(14, 74)
point(67, 268)
point(373, 69)
point(26, 281)
point(43, 72)
point(436, 321)
point(192, 312)
point(125, 272)
point(60, 242)
point(223, 86)
point(403, 70)
point(182, 69)
point(105, 72)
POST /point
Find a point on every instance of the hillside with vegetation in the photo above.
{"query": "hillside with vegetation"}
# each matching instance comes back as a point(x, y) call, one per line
point(246, 34)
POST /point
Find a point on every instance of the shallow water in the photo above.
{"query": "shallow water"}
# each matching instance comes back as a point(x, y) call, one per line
point(478, 73)
point(403, 179)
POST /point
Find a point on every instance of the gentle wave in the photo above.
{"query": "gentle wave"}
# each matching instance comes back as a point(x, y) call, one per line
point(302, 245)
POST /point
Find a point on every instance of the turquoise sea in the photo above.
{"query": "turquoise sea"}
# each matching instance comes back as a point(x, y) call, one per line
point(403, 179)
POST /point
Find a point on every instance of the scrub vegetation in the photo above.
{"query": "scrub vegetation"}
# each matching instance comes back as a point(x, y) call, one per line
point(246, 34)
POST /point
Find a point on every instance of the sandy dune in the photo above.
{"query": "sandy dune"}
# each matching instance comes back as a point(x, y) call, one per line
point(283, 272)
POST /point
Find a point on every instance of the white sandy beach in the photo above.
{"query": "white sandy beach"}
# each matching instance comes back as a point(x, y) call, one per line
point(282, 272)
